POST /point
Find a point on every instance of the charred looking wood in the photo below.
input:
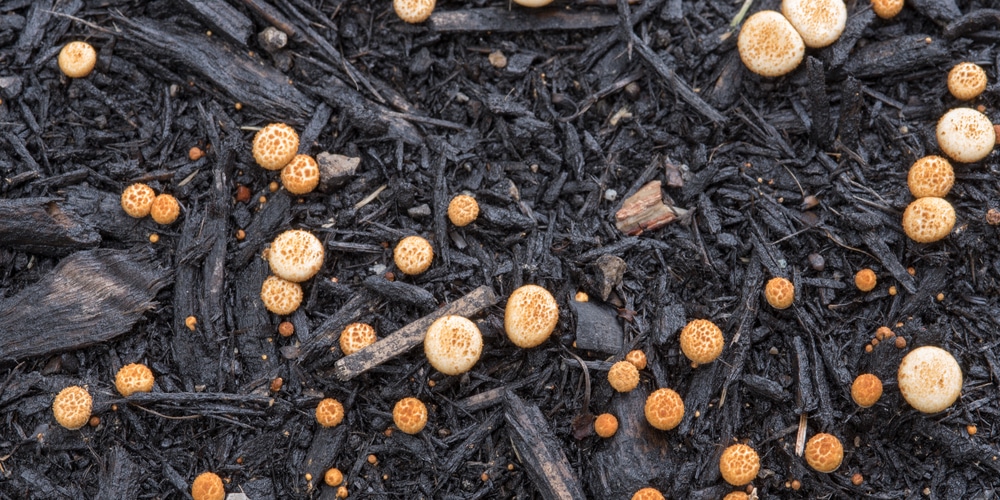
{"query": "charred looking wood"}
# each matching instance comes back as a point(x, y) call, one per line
point(898, 56)
point(821, 130)
point(503, 20)
point(400, 291)
point(976, 20)
point(44, 226)
point(805, 398)
point(222, 18)
point(543, 457)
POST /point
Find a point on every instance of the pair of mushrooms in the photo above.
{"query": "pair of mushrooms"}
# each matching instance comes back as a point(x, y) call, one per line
point(72, 406)
point(276, 147)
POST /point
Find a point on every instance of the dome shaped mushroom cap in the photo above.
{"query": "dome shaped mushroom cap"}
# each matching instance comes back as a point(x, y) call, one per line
point(300, 175)
point(966, 135)
point(928, 219)
point(275, 145)
point(410, 415)
point(824, 452)
point(930, 176)
point(819, 22)
point(413, 11)
point(355, 337)
point(779, 292)
point(701, 341)
point(887, 9)
point(208, 486)
point(137, 200)
point(623, 376)
point(966, 81)
point(533, 3)
point(530, 316)
point(769, 45)
point(929, 379)
point(282, 297)
point(133, 378)
point(296, 255)
point(413, 255)
point(72, 407)
point(77, 59)
point(739, 464)
point(453, 344)
point(664, 409)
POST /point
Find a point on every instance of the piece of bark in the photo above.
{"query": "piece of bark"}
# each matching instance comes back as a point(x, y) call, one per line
point(372, 118)
point(505, 20)
point(898, 56)
point(44, 226)
point(645, 211)
point(222, 18)
point(976, 20)
point(597, 327)
point(543, 457)
point(120, 477)
point(400, 292)
point(635, 456)
point(322, 454)
point(335, 170)
point(609, 271)
point(90, 297)
point(411, 335)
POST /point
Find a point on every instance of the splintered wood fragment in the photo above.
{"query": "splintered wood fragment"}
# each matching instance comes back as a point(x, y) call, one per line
point(223, 18)
point(44, 226)
point(541, 453)
point(120, 475)
point(406, 338)
point(326, 444)
point(504, 20)
point(90, 297)
point(800, 438)
point(645, 211)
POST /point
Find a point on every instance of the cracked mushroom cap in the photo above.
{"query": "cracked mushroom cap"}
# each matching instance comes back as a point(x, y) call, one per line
point(72, 406)
point(928, 219)
point(410, 415)
point(413, 11)
point(966, 81)
point(769, 45)
point(275, 145)
point(779, 292)
point(137, 200)
point(887, 9)
point(930, 176)
point(282, 297)
point(819, 22)
point(737, 495)
point(133, 378)
point(333, 477)
point(701, 341)
point(463, 210)
point(296, 255)
point(966, 135)
point(648, 494)
point(824, 453)
point(77, 59)
point(208, 486)
point(929, 379)
point(605, 425)
point(664, 409)
point(623, 376)
point(329, 412)
point(530, 316)
point(453, 344)
point(866, 390)
point(413, 255)
point(300, 175)
point(165, 209)
point(355, 337)
point(739, 464)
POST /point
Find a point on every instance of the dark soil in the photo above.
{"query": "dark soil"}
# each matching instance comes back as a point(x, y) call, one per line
point(802, 176)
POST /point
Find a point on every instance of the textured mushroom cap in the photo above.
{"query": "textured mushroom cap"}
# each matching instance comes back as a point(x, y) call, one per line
point(453, 344)
point(275, 145)
point(865, 280)
point(664, 409)
point(463, 210)
point(866, 390)
point(165, 209)
point(623, 376)
point(648, 494)
point(965, 135)
point(137, 200)
point(779, 292)
point(413, 11)
point(637, 358)
point(824, 453)
point(355, 337)
point(701, 341)
point(280, 296)
point(930, 176)
point(739, 464)
point(736, 495)
point(887, 9)
point(928, 219)
point(769, 45)
point(72, 407)
point(329, 412)
point(413, 255)
point(606, 425)
point(133, 378)
point(410, 415)
point(819, 22)
point(333, 477)
point(300, 175)
point(966, 81)
point(208, 486)
point(296, 255)
point(77, 59)
point(533, 3)
point(530, 316)
point(929, 379)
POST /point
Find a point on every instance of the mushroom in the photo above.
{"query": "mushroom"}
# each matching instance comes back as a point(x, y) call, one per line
point(637, 358)
point(72, 406)
point(928, 219)
point(296, 255)
point(779, 292)
point(623, 376)
point(606, 425)
point(137, 200)
point(966, 81)
point(648, 494)
point(333, 477)
point(930, 176)
point(819, 22)
point(282, 297)
point(664, 409)
point(866, 390)
point(887, 9)
point(769, 45)
point(530, 316)
point(929, 379)
point(736, 495)
point(533, 3)
point(275, 145)
point(133, 378)
point(453, 344)
point(739, 464)
point(165, 209)
point(966, 135)
point(865, 280)
point(701, 341)
point(208, 486)
point(463, 210)
point(300, 175)
point(410, 415)
point(824, 453)
point(77, 59)
point(329, 412)
point(355, 337)
point(413, 11)
point(413, 255)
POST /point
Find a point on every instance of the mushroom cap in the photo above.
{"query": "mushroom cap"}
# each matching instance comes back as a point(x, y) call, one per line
point(887, 9)
point(664, 409)
point(453, 344)
point(637, 358)
point(929, 379)
point(329, 412)
point(533, 3)
point(300, 175)
point(333, 477)
point(413, 11)
point(779, 292)
point(605, 425)
point(355, 337)
point(739, 464)
point(966, 81)
point(296, 255)
point(77, 59)
point(410, 415)
point(623, 376)
point(769, 45)
point(463, 210)
point(648, 494)
point(928, 219)
point(824, 453)
point(530, 316)
point(413, 255)
point(282, 297)
point(208, 486)
point(165, 209)
point(133, 378)
point(930, 176)
point(275, 145)
point(701, 341)
point(736, 495)
point(72, 406)
point(866, 390)
point(865, 280)
point(137, 200)
point(966, 135)
point(819, 22)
